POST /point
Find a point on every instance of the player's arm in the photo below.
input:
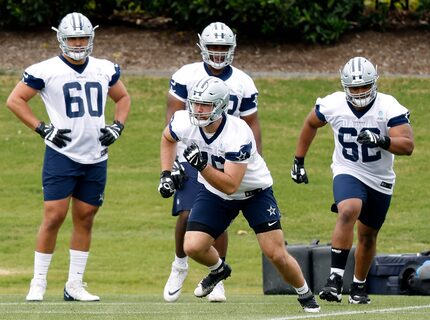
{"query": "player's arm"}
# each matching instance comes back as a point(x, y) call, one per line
point(227, 181)
point(167, 150)
point(254, 123)
point(309, 130)
point(118, 93)
point(17, 102)
point(173, 105)
point(402, 140)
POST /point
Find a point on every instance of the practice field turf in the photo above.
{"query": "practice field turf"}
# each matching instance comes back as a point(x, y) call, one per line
point(246, 307)
point(133, 239)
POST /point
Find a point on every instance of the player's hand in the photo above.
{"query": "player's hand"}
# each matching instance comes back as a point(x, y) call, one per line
point(111, 133)
point(50, 133)
point(178, 175)
point(194, 157)
point(298, 172)
point(166, 186)
point(373, 139)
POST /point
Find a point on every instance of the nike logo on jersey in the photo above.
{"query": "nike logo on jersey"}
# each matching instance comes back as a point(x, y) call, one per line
point(271, 223)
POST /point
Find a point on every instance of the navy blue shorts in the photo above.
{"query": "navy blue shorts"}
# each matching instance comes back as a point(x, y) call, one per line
point(184, 198)
point(213, 215)
point(375, 203)
point(63, 177)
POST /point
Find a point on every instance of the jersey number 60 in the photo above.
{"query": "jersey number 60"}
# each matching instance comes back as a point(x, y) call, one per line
point(75, 103)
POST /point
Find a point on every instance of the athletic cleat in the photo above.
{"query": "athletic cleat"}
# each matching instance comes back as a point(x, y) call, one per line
point(358, 294)
point(173, 287)
point(37, 290)
point(75, 291)
point(218, 293)
point(308, 302)
point(332, 291)
point(207, 285)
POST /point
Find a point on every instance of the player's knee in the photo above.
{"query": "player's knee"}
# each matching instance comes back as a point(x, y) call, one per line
point(277, 256)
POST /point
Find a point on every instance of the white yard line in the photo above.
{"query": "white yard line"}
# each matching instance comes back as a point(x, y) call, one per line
point(346, 313)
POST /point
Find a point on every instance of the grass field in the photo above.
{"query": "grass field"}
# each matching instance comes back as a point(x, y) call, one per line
point(133, 243)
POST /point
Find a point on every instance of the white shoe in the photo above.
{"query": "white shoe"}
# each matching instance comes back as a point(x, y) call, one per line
point(75, 291)
point(218, 293)
point(37, 290)
point(173, 287)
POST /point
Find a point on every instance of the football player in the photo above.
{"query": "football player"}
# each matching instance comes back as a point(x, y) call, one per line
point(235, 178)
point(369, 128)
point(74, 87)
point(217, 43)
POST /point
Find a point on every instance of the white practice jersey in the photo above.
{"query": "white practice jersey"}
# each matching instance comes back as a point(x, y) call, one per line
point(234, 142)
point(243, 93)
point(371, 165)
point(75, 99)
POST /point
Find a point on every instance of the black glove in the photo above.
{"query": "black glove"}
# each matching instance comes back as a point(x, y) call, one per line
point(111, 133)
point(298, 172)
point(166, 186)
point(374, 139)
point(50, 133)
point(194, 157)
point(178, 175)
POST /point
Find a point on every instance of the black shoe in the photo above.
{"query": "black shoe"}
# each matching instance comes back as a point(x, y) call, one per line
point(308, 302)
point(208, 284)
point(358, 294)
point(332, 291)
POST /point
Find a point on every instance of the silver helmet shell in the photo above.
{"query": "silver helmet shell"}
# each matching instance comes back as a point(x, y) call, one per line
point(359, 72)
point(75, 25)
point(210, 91)
point(217, 34)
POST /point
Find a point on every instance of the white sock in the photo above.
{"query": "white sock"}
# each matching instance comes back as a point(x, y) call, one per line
point(302, 290)
point(41, 265)
point(358, 281)
point(78, 262)
point(216, 265)
point(337, 271)
point(182, 262)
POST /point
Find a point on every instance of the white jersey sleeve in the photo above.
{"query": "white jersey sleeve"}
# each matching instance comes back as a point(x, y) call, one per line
point(220, 148)
point(243, 93)
point(75, 99)
point(371, 165)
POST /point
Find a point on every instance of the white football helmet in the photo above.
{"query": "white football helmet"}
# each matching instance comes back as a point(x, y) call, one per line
point(359, 72)
point(217, 33)
point(210, 91)
point(75, 25)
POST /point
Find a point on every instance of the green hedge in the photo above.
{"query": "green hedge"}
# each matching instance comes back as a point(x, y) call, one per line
point(317, 21)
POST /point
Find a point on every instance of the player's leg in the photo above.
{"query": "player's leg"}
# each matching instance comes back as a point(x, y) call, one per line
point(371, 220)
point(210, 217)
point(182, 203)
point(262, 213)
point(349, 194)
point(273, 246)
point(179, 269)
point(54, 214)
point(221, 244)
point(198, 245)
point(88, 196)
point(57, 189)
